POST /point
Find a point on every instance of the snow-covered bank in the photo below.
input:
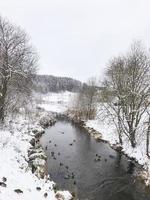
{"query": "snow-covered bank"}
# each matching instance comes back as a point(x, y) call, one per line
point(109, 134)
point(16, 178)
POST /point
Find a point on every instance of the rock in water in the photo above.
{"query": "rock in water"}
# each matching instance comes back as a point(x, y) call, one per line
point(59, 196)
point(32, 142)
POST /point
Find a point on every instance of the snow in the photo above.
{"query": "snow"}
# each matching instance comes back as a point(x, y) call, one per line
point(57, 102)
point(13, 155)
point(107, 130)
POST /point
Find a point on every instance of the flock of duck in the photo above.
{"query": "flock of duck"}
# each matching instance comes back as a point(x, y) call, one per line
point(71, 175)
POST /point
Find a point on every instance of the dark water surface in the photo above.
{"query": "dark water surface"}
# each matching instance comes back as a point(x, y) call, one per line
point(73, 164)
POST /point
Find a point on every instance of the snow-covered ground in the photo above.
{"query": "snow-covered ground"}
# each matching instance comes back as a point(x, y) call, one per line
point(16, 179)
point(57, 102)
point(109, 133)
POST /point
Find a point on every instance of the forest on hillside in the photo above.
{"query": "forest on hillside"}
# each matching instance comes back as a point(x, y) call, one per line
point(49, 83)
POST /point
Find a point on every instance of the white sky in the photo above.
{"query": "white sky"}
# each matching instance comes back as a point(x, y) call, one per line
point(76, 38)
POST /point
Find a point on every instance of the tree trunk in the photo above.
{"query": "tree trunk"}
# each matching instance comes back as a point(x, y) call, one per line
point(2, 114)
point(119, 127)
point(132, 140)
point(147, 138)
point(2, 101)
point(132, 136)
point(120, 139)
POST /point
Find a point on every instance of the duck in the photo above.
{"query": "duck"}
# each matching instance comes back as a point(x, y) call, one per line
point(45, 194)
point(67, 167)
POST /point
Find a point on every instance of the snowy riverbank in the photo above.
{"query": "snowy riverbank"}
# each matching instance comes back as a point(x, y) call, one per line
point(107, 131)
point(16, 178)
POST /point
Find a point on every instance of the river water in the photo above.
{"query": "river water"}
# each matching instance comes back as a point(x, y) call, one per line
point(91, 169)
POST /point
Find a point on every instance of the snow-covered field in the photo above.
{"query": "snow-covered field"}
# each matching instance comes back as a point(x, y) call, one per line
point(16, 179)
point(57, 102)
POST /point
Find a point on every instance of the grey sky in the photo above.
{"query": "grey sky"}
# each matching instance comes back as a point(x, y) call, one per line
point(76, 38)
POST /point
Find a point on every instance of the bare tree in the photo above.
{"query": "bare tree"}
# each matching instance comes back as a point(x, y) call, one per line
point(127, 80)
point(17, 65)
point(86, 101)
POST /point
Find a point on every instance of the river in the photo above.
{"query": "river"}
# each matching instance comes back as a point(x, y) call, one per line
point(93, 170)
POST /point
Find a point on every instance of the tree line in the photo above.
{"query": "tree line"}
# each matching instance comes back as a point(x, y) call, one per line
point(48, 83)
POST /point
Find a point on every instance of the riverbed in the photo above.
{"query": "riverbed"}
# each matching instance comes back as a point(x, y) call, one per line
point(93, 170)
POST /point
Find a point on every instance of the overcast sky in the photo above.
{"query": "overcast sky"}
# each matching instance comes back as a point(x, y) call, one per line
point(76, 38)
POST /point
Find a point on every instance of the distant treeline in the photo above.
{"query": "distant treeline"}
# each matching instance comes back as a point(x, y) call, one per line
point(49, 83)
